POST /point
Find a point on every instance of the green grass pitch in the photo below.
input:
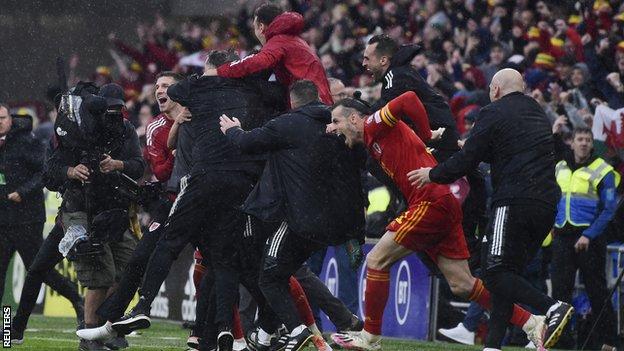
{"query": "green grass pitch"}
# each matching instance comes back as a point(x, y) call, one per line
point(51, 333)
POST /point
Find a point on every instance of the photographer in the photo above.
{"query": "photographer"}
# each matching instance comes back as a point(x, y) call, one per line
point(89, 171)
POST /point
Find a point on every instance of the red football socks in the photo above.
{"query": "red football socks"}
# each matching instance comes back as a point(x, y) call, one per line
point(301, 302)
point(237, 327)
point(375, 298)
point(481, 296)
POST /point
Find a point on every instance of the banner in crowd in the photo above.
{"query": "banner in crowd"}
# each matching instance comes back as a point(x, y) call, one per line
point(408, 308)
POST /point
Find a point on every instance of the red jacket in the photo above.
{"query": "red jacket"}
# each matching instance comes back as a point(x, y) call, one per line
point(290, 57)
point(157, 154)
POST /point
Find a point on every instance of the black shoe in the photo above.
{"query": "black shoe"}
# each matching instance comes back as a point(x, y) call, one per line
point(91, 345)
point(225, 341)
point(279, 344)
point(254, 344)
point(117, 343)
point(556, 321)
point(296, 343)
point(17, 337)
point(281, 338)
point(134, 320)
point(79, 308)
point(193, 342)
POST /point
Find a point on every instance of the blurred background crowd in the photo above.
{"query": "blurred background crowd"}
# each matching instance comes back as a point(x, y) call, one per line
point(571, 54)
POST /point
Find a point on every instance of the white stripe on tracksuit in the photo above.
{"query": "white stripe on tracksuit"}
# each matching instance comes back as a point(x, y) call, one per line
point(500, 220)
point(248, 232)
point(276, 239)
point(183, 184)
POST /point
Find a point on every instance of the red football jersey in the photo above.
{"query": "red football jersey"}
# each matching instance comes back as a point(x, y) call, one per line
point(157, 154)
point(399, 150)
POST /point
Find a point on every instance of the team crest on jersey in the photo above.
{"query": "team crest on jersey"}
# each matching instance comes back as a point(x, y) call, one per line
point(377, 148)
point(154, 226)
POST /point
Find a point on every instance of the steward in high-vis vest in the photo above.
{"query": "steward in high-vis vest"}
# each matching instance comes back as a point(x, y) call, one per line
point(588, 202)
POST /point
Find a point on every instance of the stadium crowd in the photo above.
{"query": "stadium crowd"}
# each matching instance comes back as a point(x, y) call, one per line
point(570, 55)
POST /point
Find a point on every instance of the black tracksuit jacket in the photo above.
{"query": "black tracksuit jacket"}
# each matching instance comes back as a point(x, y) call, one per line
point(514, 135)
point(252, 101)
point(401, 77)
point(311, 179)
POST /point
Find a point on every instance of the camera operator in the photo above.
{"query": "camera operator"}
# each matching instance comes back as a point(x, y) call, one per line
point(90, 175)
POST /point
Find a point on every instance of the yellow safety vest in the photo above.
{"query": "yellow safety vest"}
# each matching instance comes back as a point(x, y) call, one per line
point(579, 192)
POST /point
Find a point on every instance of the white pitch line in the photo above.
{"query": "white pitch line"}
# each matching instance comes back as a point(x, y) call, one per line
point(74, 341)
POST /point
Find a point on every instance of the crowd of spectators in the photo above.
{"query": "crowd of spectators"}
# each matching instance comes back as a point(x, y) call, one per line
point(571, 53)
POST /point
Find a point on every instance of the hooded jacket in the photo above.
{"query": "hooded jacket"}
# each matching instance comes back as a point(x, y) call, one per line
point(311, 179)
point(21, 162)
point(290, 57)
point(401, 77)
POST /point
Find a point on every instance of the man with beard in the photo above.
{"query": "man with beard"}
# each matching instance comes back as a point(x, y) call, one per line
point(310, 186)
point(431, 224)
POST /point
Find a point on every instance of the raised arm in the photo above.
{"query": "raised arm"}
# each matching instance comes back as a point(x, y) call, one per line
point(267, 58)
point(408, 105)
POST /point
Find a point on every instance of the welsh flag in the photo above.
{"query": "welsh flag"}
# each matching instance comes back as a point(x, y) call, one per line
point(607, 129)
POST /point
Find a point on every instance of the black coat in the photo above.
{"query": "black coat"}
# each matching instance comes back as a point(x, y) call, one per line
point(207, 98)
point(21, 162)
point(311, 179)
point(105, 196)
point(514, 135)
point(400, 78)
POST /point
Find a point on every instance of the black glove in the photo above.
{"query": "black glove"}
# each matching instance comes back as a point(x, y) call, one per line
point(356, 255)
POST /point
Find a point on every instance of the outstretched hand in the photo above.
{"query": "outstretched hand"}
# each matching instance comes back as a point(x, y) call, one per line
point(419, 177)
point(227, 123)
point(437, 134)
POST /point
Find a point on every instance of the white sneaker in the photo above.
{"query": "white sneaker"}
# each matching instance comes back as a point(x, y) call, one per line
point(239, 344)
point(100, 333)
point(459, 334)
point(535, 329)
point(356, 341)
point(530, 345)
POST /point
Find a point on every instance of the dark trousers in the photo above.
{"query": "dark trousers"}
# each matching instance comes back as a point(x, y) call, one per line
point(320, 297)
point(249, 257)
point(514, 234)
point(284, 253)
point(210, 201)
point(40, 256)
point(566, 261)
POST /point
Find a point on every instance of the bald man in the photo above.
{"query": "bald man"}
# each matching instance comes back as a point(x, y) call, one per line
point(513, 134)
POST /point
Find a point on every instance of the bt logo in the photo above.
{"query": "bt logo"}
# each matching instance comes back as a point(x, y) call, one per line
point(331, 276)
point(402, 292)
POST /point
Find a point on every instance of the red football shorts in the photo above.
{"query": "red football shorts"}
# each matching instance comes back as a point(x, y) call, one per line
point(432, 227)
